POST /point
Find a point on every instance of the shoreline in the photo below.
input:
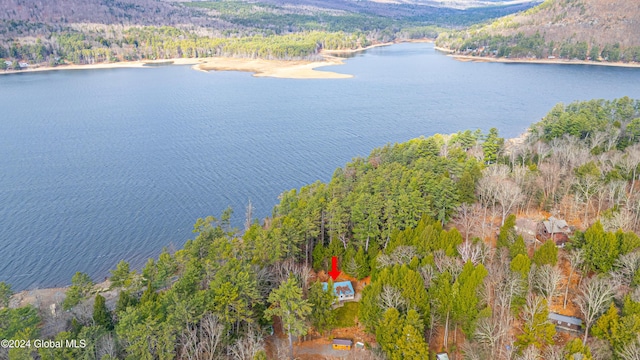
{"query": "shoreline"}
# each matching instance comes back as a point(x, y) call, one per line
point(486, 59)
point(292, 69)
point(284, 69)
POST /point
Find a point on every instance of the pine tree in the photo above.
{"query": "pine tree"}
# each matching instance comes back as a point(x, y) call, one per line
point(518, 247)
point(287, 303)
point(319, 257)
point(601, 248)
point(507, 234)
point(363, 263)
point(521, 264)
point(322, 317)
point(546, 254)
point(5, 294)
point(537, 330)
point(102, 315)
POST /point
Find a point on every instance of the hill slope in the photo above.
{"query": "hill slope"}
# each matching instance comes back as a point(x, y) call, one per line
point(604, 30)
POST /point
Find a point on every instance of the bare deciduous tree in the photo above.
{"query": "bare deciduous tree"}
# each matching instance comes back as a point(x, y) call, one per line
point(391, 297)
point(547, 280)
point(595, 296)
point(626, 267)
point(471, 252)
point(246, 347)
point(575, 258)
point(489, 334)
point(401, 255)
point(467, 219)
point(202, 341)
point(554, 352)
point(630, 351)
point(530, 353)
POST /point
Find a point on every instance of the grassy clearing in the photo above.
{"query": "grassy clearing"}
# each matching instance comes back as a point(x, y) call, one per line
point(346, 315)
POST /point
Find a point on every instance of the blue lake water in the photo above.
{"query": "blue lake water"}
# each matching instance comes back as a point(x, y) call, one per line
point(102, 165)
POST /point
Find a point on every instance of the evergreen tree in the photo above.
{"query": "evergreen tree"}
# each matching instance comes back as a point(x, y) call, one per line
point(402, 338)
point(492, 146)
point(537, 330)
point(102, 315)
point(5, 294)
point(507, 234)
point(521, 264)
point(546, 254)
point(319, 257)
point(600, 247)
point(518, 248)
point(81, 285)
point(363, 264)
point(287, 303)
point(121, 276)
point(322, 317)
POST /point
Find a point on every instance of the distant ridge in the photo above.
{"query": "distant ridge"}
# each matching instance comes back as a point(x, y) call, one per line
point(601, 30)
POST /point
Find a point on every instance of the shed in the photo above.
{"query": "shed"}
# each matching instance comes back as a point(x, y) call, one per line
point(343, 290)
point(342, 344)
point(563, 322)
point(553, 228)
point(442, 356)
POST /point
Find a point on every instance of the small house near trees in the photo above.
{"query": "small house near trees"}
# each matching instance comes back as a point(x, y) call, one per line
point(556, 229)
point(343, 290)
point(566, 323)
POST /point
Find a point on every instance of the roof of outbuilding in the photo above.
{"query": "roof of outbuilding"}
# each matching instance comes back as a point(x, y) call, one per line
point(342, 342)
point(567, 319)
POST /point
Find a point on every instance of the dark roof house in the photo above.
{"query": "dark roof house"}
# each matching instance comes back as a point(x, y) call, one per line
point(556, 229)
point(563, 322)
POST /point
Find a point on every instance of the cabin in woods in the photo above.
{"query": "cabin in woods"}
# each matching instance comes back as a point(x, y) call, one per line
point(555, 229)
point(566, 323)
point(342, 344)
point(343, 290)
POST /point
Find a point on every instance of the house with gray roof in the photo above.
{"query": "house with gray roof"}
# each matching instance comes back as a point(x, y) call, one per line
point(563, 322)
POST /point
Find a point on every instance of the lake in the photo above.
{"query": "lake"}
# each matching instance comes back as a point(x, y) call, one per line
point(102, 165)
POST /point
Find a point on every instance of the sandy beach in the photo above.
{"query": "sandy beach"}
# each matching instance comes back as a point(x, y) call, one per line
point(294, 69)
point(289, 69)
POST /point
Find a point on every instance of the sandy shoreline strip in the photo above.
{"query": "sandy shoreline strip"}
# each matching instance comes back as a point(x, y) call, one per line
point(296, 69)
point(289, 69)
point(292, 69)
point(467, 58)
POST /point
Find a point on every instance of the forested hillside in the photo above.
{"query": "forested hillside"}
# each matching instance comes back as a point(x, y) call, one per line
point(435, 228)
point(52, 33)
point(598, 30)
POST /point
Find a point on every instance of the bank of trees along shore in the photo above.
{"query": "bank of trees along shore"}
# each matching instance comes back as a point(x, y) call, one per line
point(432, 222)
point(235, 29)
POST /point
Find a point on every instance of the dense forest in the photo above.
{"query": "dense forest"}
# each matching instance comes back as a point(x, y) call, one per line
point(433, 227)
point(594, 30)
point(34, 33)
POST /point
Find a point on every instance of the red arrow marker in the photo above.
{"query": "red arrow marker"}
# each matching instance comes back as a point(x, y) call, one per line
point(334, 273)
